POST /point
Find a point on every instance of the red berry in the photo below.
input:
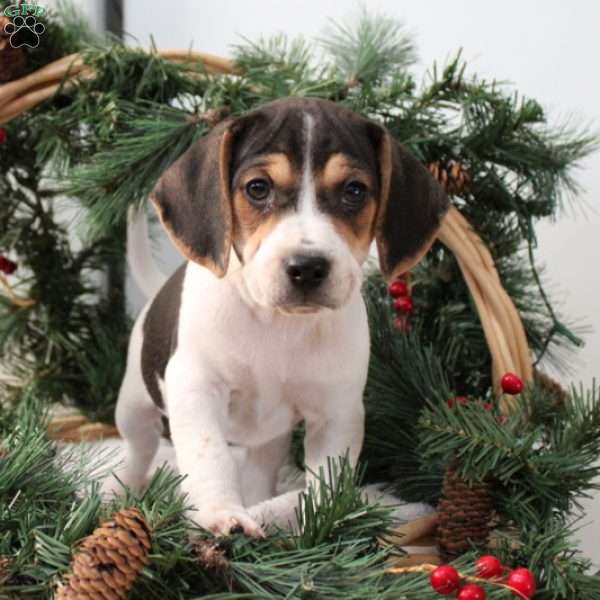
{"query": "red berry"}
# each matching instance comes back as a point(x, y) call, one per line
point(7, 266)
point(471, 592)
point(523, 581)
point(404, 304)
point(462, 400)
point(511, 384)
point(445, 580)
point(398, 288)
point(489, 566)
point(3, 135)
point(488, 406)
point(401, 324)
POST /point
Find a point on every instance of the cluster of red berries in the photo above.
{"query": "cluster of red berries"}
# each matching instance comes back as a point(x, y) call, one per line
point(446, 580)
point(403, 302)
point(7, 266)
point(511, 384)
point(464, 401)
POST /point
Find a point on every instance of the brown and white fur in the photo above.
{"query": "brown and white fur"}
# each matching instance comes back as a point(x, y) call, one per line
point(238, 347)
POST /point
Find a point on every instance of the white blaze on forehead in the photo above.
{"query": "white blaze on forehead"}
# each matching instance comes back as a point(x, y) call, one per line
point(307, 200)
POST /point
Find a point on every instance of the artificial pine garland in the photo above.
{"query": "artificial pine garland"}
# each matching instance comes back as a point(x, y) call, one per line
point(105, 140)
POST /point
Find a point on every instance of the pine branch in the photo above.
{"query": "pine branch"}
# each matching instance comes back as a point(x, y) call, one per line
point(373, 49)
point(540, 470)
point(547, 547)
point(152, 137)
point(275, 56)
point(334, 555)
point(336, 511)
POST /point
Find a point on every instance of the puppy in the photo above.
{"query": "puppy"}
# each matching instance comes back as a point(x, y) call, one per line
point(240, 346)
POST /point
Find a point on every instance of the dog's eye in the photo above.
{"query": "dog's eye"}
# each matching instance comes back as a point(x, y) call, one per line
point(258, 191)
point(355, 194)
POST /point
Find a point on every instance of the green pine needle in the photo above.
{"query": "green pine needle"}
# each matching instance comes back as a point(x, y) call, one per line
point(373, 49)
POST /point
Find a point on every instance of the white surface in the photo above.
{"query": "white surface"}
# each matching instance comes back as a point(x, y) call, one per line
point(548, 49)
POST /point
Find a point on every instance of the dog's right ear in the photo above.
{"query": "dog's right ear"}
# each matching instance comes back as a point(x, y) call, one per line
point(193, 200)
point(411, 209)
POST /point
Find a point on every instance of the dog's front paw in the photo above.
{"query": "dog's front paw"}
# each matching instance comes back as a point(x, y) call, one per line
point(227, 520)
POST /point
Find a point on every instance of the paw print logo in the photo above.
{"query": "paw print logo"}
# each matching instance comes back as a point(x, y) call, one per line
point(24, 31)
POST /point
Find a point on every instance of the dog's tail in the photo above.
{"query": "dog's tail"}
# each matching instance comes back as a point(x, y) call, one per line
point(139, 254)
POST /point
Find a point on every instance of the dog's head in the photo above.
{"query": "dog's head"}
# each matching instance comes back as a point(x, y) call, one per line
point(300, 188)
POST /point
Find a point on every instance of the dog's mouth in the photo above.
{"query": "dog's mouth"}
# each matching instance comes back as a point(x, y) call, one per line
point(303, 309)
point(297, 302)
point(306, 304)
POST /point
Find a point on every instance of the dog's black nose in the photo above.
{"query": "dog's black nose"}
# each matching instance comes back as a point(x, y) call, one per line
point(307, 272)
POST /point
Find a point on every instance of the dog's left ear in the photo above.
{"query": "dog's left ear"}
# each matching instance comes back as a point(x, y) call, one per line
point(410, 209)
point(193, 200)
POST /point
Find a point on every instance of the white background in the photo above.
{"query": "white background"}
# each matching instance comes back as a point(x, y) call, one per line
point(548, 49)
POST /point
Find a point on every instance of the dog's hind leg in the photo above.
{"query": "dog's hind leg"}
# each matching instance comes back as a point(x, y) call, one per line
point(139, 422)
point(140, 425)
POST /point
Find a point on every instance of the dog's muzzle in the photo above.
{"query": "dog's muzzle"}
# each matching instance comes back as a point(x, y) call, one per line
point(305, 272)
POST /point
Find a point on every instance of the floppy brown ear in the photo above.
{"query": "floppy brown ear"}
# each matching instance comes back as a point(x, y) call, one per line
point(410, 210)
point(193, 200)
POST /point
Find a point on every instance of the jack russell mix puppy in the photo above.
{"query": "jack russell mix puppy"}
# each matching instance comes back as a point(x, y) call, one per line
point(264, 326)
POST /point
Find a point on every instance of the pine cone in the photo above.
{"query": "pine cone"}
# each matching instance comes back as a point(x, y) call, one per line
point(553, 388)
point(12, 60)
point(452, 176)
point(108, 562)
point(465, 515)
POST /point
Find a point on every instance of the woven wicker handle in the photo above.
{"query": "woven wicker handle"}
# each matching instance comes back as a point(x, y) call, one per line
point(502, 325)
point(500, 319)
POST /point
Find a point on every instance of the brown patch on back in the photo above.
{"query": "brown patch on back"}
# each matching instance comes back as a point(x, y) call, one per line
point(160, 333)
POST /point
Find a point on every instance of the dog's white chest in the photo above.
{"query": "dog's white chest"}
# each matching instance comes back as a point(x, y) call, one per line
point(273, 370)
point(264, 379)
point(258, 412)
